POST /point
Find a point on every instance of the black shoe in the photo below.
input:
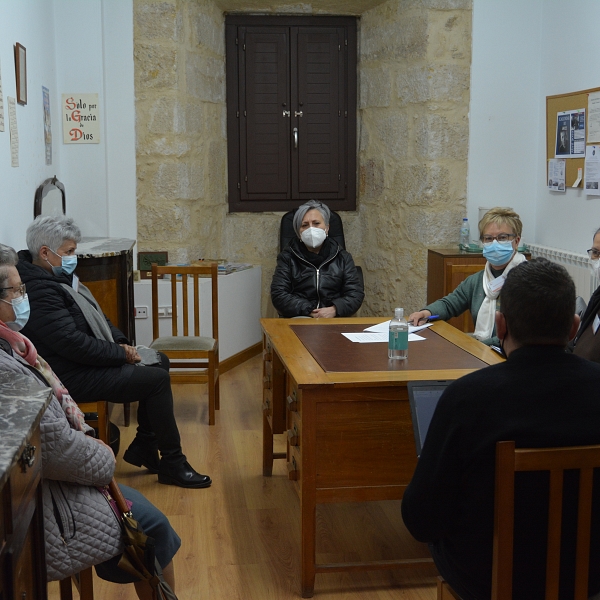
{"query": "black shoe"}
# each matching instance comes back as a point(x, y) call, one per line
point(142, 456)
point(182, 475)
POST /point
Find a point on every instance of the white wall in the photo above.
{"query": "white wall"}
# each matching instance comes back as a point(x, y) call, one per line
point(570, 63)
point(504, 115)
point(523, 52)
point(72, 46)
point(31, 23)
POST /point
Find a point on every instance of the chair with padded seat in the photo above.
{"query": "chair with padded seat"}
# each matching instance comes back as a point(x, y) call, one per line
point(555, 461)
point(190, 351)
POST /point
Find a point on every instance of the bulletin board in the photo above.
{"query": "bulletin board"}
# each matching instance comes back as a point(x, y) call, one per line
point(554, 105)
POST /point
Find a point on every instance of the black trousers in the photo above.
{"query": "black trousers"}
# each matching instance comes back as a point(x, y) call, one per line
point(150, 386)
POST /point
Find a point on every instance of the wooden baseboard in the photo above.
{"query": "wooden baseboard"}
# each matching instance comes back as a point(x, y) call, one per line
point(239, 358)
point(200, 376)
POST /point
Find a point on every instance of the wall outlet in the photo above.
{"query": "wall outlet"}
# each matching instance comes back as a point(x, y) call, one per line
point(165, 311)
point(141, 312)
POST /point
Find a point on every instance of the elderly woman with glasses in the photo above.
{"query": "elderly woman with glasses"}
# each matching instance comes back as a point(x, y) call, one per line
point(80, 529)
point(587, 343)
point(314, 276)
point(94, 358)
point(500, 231)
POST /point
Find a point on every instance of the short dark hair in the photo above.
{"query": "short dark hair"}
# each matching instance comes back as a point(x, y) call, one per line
point(538, 302)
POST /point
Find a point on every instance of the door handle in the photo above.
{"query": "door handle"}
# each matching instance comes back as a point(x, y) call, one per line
point(295, 137)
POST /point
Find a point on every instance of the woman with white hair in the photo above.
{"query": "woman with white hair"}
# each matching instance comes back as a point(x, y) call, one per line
point(94, 358)
point(314, 276)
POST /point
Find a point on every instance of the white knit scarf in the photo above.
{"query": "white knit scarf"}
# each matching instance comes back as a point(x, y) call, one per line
point(486, 317)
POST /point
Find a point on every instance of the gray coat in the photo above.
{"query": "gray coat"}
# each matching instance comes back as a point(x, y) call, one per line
point(80, 527)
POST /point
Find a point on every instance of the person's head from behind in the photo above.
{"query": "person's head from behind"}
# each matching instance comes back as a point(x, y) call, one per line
point(14, 305)
point(538, 306)
point(52, 242)
point(500, 231)
point(311, 223)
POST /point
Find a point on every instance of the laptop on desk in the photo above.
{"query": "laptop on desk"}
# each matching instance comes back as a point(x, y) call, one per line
point(423, 397)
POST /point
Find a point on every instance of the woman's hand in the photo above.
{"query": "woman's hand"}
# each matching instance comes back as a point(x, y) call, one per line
point(416, 317)
point(131, 354)
point(324, 313)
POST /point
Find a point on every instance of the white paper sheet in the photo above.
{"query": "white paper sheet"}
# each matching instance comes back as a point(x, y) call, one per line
point(593, 118)
point(556, 175)
point(367, 337)
point(385, 327)
point(14, 132)
point(592, 171)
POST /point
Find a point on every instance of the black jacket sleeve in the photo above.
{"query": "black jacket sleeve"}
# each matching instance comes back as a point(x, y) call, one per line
point(52, 321)
point(284, 300)
point(352, 294)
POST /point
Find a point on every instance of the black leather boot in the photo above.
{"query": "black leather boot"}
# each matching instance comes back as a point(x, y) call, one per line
point(182, 475)
point(142, 453)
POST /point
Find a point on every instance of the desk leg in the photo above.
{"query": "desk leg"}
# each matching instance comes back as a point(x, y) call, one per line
point(267, 447)
point(308, 492)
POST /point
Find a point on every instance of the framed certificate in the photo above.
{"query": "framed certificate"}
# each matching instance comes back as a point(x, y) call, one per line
point(21, 73)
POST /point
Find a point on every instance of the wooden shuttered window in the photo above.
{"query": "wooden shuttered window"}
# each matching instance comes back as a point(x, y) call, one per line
point(291, 112)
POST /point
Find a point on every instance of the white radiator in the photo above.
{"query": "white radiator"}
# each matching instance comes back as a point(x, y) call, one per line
point(576, 264)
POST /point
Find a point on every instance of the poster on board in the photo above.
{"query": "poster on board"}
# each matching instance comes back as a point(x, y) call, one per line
point(570, 134)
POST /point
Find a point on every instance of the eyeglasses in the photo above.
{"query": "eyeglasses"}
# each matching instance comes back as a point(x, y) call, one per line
point(20, 290)
point(593, 253)
point(501, 237)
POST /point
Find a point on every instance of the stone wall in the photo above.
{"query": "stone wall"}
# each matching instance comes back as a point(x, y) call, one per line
point(414, 68)
point(179, 53)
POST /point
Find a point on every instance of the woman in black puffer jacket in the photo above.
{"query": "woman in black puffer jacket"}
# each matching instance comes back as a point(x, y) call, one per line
point(314, 276)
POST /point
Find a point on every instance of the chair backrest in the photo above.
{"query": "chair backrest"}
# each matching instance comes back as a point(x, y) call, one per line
point(556, 461)
point(179, 279)
point(287, 233)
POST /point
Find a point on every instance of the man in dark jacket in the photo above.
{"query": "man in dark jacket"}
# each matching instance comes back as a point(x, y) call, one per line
point(92, 357)
point(540, 397)
point(314, 277)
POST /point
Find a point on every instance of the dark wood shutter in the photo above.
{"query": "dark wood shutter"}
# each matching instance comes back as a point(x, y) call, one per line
point(319, 90)
point(264, 129)
point(288, 79)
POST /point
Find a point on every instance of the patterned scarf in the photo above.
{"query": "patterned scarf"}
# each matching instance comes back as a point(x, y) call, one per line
point(26, 350)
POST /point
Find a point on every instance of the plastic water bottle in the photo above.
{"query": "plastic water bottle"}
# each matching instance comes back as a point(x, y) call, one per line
point(465, 234)
point(398, 341)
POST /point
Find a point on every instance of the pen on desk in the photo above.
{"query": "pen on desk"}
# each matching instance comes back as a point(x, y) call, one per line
point(432, 318)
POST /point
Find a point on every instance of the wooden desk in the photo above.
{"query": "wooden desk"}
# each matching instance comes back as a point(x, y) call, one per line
point(350, 434)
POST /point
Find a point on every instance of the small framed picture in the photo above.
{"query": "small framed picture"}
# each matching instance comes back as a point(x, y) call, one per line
point(145, 260)
point(21, 73)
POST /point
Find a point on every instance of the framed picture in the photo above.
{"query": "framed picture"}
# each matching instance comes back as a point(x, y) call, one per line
point(21, 73)
point(145, 260)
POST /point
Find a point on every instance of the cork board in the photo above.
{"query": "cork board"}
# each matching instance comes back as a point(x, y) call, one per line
point(554, 105)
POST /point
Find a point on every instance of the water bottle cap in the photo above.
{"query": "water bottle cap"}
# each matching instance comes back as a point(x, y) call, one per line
point(465, 219)
point(398, 313)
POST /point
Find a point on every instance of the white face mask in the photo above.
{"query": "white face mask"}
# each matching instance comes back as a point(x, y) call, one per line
point(595, 266)
point(313, 237)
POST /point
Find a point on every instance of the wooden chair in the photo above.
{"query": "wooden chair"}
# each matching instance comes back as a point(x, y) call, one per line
point(555, 460)
point(83, 580)
point(456, 274)
point(189, 351)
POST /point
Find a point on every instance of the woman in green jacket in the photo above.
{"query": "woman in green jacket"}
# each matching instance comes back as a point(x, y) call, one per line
point(500, 231)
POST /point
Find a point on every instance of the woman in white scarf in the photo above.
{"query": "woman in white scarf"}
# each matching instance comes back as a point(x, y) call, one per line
point(500, 232)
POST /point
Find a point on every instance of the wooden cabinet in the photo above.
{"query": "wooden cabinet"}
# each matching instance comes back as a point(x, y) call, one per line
point(105, 265)
point(22, 555)
point(446, 268)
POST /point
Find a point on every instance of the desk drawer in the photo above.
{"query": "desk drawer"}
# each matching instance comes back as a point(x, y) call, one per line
point(24, 476)
point(294, 431)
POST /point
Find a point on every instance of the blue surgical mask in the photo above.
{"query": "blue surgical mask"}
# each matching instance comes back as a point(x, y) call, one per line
point(21, 309)
point(68, 264)
point(498, 253)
